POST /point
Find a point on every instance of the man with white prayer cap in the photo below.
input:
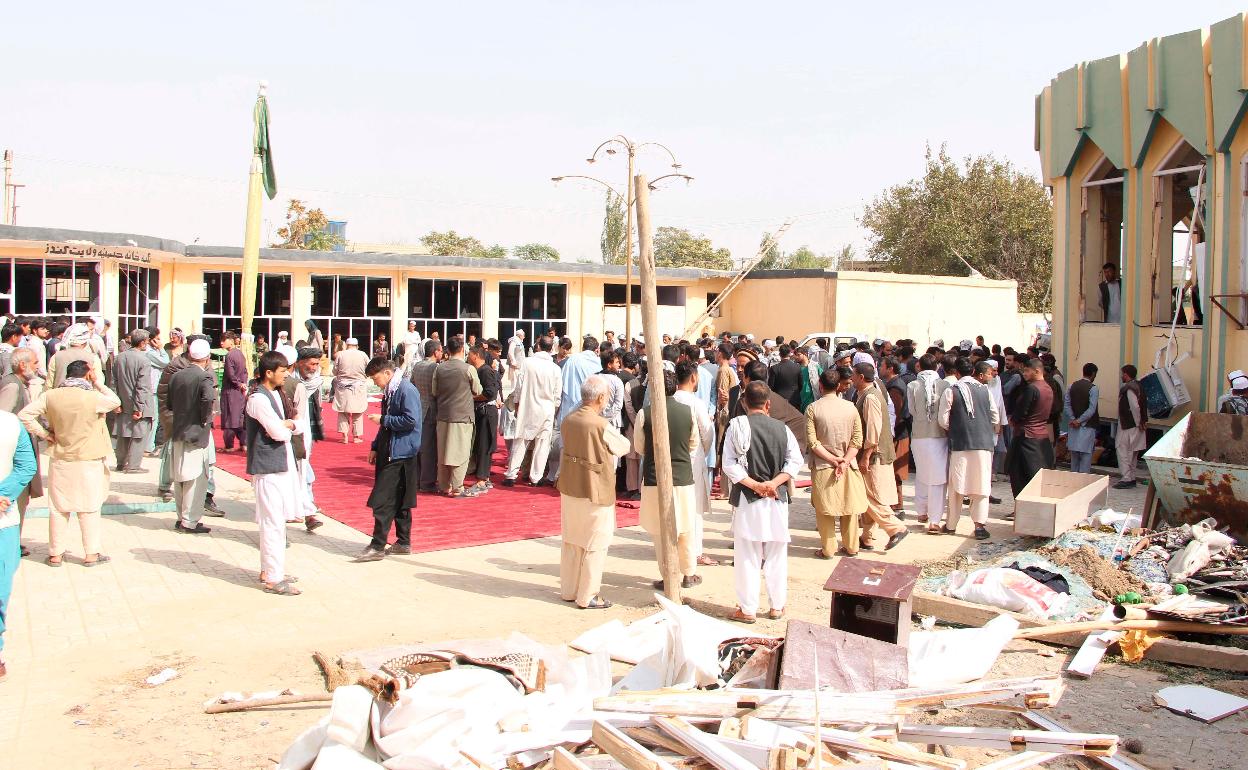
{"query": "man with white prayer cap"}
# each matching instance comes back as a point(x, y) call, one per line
point(284, 347)
point(191, 395)
point(74, 347)
point(1237, 401)
point(349, 389)
point(1230, 379)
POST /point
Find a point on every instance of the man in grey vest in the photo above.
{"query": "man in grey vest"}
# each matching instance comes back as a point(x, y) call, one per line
point(761, 456)
point(132, 378)
point(1083, 419)
point(970, 417)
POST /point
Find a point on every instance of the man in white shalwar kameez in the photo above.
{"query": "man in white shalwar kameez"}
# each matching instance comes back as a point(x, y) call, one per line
point(413, 346)
point(971, 419)
point(929, 444)
point(1132, 435)
point(761, 456)
point(687, 377)
point(535, 400)
point(274, 474)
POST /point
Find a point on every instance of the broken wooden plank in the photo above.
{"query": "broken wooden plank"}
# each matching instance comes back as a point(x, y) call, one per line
point(705, 745)
point(893, 751)
point(648, 736)
point(629, 752)
point(1020, 761)
point(1063, 742)
point(1116, 762)
point(1165, 650)
point(566, 760)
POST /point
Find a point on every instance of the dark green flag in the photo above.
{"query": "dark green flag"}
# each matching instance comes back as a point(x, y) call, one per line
point(262, 147)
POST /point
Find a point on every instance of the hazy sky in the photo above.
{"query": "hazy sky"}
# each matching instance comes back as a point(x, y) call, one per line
point(402, 117)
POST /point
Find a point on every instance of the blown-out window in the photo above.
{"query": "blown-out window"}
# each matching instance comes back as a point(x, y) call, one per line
point(535, 307)
point(445, 306)
point(223, 306)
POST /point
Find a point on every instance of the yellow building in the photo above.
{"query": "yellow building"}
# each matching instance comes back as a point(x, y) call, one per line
point(136, 280)
point(1145, 150)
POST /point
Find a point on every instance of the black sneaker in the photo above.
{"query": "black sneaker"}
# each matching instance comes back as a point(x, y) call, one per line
point(895, 539)
point(981, 533)
point(509, 482)
point(399, 550)
point(198, 529)
point(994, 500)
point(211, 509)
point(1125, 485)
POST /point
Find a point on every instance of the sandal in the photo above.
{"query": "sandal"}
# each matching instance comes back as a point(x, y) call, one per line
point(283, 588)
point(288, 579)
point(821, 554)
point(933, 529)
point(741, 617)
point(54, 561)
point(99, 559)
point(597, 603)
point(775, 614)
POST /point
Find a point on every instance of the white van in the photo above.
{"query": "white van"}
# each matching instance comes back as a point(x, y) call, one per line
point(832, 339)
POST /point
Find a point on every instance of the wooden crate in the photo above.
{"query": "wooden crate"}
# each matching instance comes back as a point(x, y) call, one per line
point(1056, 501)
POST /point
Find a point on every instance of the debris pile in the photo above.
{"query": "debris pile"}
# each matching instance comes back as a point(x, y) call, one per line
point(514, 704)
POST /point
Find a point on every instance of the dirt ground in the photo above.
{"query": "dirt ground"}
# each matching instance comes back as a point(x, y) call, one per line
point(82, 641)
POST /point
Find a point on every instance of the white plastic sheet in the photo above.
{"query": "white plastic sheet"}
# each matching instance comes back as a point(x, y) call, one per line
point(957, 655)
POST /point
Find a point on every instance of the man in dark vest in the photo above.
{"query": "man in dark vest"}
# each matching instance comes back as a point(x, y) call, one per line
point(1132, 426)
point(191, 395)
point(1031, 449)
point(1082, 419)
point(968, 414)
point(591, 446)
point(760, 458)
point(682, 431)
point(271, 465)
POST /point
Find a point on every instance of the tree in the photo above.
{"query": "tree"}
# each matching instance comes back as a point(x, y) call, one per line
point(805, 259)
point(306, 229)
point(985, 211)
point(614, 224)
point(676, 247)
point(536, 252)
point(451, 244)
point(773, 258)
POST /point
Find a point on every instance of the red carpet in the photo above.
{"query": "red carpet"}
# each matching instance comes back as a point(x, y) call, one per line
point(344, 480)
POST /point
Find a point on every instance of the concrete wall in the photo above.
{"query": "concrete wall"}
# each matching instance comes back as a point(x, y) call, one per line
point(766, 307)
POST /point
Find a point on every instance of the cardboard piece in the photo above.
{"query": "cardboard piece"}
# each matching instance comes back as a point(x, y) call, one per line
point(847, 662)
point(1203, 703)
point(1055, 501)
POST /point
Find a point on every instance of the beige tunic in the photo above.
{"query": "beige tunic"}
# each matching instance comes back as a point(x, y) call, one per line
point(833, 424)
point(881, 485)
point(584, 524)
point(685, 498)
point(350, 384)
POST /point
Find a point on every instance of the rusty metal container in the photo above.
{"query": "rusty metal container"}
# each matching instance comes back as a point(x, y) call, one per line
point(1200, 469)
point(872, 598)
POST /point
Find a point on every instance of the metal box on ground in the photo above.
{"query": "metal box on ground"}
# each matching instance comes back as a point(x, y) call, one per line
point(872, 598)
point(1056, 501)
point(1200, 469)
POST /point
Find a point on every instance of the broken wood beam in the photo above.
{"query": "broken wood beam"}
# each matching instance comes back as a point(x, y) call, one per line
point(1019, 761)
point(705, 745)
point(1116, 762)
point(566, 760)
point(648, 736)
point(898, 752)
point(1048, 741)
point(255, 703)
point(627, 751)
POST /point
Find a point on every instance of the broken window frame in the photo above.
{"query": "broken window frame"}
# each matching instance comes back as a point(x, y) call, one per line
point(1102, 184)
point(461, 319)
point(230, 309)
point(375, 314)
point(84, 275)
point(532, 324)
point(138, 297)
point(1175, 168)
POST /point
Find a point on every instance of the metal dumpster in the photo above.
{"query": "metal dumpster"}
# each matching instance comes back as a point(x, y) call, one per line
point(1200, 469)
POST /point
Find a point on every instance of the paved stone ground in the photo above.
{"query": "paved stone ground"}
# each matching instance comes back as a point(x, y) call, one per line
point(80, 641)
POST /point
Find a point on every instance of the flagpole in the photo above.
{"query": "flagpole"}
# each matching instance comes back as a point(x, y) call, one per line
point(251, 249)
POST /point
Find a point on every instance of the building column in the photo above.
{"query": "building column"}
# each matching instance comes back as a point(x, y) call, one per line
point(301, 304)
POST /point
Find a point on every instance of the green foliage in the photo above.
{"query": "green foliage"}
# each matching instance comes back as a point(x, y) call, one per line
point(676, 247)
point(803, 258)
point(306, 229)
point(614, 224)
point(994, 216)
point(451, 244)
point(536, 252)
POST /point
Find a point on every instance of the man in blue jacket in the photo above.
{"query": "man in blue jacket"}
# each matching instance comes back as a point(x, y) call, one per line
point(395, 454)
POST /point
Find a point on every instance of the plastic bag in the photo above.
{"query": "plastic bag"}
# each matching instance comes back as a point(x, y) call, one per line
point(1008, 589)
point(1206, 543)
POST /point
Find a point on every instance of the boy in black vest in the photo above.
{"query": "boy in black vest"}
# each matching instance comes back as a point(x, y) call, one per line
point(761, 456)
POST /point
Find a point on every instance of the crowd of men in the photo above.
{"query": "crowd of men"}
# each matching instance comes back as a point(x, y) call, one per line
point(743, 419)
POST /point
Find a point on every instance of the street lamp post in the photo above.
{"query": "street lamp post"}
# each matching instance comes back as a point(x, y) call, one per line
point(630, 201)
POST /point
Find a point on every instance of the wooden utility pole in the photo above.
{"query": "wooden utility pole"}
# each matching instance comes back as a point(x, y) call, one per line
point(657, 418)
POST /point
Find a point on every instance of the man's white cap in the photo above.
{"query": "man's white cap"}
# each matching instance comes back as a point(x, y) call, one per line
point(283, 335)
point(639, 339)
point(992, 362)
point(940, 343)
point(1239, 383)
point(750, 337)
point(199, 350)
point(1230, 377)
point(769, 343)
point(862, 357)
point(352, 341)
point(966, 344)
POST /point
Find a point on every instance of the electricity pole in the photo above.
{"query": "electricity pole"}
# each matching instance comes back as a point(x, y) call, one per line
point(10, 190)
point(656, 419)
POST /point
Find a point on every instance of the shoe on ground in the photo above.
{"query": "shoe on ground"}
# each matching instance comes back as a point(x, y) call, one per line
point(313, 524)
point(900, 513)
point(1125, 485)
point(211, 509)
point(994, 500)
point(133, 471)
point(707, 561)
point(634, 495)
point(865, 546)
point(370, 554)
point(688, 581)
point(509, 482)
point(166, 497)
point(982, 533)
point(399, 550)
point(198, 529)
point(895, 539)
